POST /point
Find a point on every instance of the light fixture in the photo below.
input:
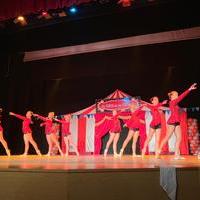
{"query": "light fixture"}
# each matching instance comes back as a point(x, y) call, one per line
point(20, 20)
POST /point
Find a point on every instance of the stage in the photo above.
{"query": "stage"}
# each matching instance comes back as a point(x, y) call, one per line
point(94, 177)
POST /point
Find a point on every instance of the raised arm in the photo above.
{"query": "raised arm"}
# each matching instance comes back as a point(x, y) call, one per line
point(18, 116)
point(184, 94)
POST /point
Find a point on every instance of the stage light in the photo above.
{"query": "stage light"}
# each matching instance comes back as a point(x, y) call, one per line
point(73, 10)
point(21, 20)
point(44, 13)
point(125, 3)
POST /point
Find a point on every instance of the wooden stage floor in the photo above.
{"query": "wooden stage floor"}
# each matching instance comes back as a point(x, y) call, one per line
point(91, 163)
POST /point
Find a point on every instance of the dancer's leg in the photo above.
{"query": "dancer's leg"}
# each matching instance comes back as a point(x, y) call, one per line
point(135, 139)
point(126, 141)
point(148, 139)
point(110, 140)
point(4, 143)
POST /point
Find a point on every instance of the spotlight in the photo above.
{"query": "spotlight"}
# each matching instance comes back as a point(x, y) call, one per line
point(73, 10)
point(125, 3)
point(21, 20)
point(45, 15)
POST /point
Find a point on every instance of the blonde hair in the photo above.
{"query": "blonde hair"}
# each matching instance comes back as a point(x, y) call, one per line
point(172, 92)
point(30, 112)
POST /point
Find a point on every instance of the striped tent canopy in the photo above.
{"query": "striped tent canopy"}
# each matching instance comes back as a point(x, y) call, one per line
point(92, 109)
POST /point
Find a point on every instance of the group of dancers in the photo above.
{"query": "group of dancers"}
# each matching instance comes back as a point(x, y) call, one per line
point(49, 132)
point(133, 123)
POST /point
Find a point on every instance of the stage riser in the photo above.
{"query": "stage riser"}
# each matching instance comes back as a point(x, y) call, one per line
point(110, 185)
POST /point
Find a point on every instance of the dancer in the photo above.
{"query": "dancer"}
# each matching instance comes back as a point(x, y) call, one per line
point(50, 136)
point(27, 131)
point(66, 133)
point(155, 125)
point(133, 124)
point(173, 123)
point(3, 142)
point(114, 132)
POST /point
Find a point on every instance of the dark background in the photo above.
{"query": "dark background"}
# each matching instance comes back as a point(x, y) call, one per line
point(68, 84)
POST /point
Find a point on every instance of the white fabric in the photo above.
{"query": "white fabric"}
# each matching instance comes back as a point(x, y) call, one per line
point(90, 133)
point(74, 131)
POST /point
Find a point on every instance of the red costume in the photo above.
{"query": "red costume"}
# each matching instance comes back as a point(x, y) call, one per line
point(174, 108)
point(115, 124)
point(48, 123)
point(134, 122)
point(25, 124)
point(156, 118)
point(1, 128)
point(65, 127)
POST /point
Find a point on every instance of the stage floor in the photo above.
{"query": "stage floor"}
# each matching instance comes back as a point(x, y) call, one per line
point(91, 163)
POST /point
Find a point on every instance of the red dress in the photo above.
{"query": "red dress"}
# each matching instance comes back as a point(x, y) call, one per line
point(25, 124)
point(65, 127)
point(1, 128)
point(174, 108)
point(115, 125)
point(156, 118)
point(48, 123)
point(134, 121)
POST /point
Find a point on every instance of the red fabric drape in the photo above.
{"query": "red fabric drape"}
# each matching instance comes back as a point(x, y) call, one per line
point(81, 134)
point(100, 131)
point(13, 8)
point(184, 142)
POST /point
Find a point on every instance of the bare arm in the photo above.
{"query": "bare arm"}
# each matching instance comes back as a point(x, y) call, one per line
point(40, 117)
point(18, 116)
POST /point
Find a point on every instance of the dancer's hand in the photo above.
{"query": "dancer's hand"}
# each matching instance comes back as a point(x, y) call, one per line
point(193, 86)
point(164, 102)
point(11, 113)
point(35, 115)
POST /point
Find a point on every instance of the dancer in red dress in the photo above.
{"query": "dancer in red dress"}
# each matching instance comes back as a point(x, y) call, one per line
point(50, 136)
point(114, 131)
point(27, 131)
point(173, 123)
point(134, 122)
point(3, 142)
point(155, 125)
point(67, 134)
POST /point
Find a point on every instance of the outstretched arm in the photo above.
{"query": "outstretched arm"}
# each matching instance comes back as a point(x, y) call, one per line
point(184, 94)
point(40, 117)
point(18, 116)
point(162, 103)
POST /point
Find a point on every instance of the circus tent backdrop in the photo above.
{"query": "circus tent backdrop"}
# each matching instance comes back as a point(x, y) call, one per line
point(88, 138)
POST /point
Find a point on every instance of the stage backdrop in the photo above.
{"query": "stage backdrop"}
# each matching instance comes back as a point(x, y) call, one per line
point(88, 138)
